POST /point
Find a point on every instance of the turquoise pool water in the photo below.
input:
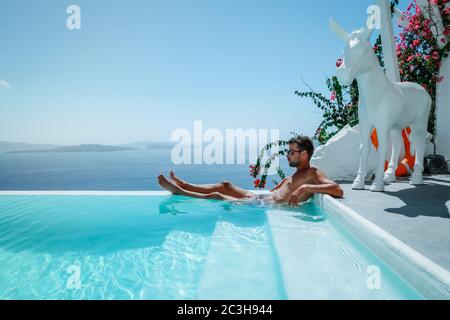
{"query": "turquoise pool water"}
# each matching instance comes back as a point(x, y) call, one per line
point(168, 247)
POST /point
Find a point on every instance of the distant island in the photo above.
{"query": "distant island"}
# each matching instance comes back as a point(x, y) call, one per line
point(150, 145)
point(7, 146)
point(21, 147)
point(79, 148)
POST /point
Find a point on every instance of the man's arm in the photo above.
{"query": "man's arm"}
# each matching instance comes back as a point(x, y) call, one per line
point(279, 185)
point(321, 185)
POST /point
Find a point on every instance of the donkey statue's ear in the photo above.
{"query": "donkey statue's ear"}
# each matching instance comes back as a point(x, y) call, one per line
point(367, 33)
point(339, 31)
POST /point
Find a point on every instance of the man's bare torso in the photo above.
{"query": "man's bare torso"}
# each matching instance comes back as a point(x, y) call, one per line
point(284, 190)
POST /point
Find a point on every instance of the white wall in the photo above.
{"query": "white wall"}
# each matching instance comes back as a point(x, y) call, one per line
point(339, 158)
point(443, 111)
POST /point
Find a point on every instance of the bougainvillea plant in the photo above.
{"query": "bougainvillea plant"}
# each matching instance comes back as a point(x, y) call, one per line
point(259, 169)
point(339, 109)
point(419, 53)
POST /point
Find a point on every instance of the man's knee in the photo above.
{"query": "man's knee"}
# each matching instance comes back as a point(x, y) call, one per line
point(226, 184)
point(215, 195)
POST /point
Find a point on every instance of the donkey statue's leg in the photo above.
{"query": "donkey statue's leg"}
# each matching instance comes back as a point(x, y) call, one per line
point(396, 138)
point(365, 132)
point(383, 144)
point(419, 138)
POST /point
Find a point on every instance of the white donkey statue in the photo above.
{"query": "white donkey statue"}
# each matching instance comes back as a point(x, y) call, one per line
point(385, 105)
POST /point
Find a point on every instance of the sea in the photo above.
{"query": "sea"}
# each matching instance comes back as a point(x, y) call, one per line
point(134, 170)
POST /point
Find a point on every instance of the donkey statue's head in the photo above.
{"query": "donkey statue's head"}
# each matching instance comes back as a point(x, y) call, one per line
point(358, 53)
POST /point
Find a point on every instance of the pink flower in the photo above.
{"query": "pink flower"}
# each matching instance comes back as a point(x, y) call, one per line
point(339, 62)
point(254, 171)
point(333, 96)
point(259, 184)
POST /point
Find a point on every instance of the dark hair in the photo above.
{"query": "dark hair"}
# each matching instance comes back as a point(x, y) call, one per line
point(304, 143)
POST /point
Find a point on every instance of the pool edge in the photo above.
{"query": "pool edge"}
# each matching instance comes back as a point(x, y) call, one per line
point(427, 277)
point(91, 193)
point(81, 193)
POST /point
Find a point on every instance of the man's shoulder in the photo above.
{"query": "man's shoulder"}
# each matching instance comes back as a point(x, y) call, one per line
point(313, 170)
point(309, 171)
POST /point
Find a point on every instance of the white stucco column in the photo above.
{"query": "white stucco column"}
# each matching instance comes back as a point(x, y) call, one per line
point(443, 88)
point(388, 41)
point(443, 111)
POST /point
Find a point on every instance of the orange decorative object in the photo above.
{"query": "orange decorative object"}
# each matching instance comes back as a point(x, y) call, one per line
point(407, 164)
point(374, 139)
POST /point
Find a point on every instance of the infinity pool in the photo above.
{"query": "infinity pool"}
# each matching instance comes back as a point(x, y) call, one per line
point(172, 247)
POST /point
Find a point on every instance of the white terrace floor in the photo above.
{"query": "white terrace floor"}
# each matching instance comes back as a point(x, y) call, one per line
point(418, 216)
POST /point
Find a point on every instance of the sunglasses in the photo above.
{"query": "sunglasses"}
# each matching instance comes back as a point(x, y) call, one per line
point(291, 152)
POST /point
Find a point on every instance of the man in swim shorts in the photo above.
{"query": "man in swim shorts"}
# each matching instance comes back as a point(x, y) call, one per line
point(299, 187)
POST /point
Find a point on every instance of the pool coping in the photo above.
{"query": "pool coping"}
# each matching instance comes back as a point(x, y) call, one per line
point(94, 193)
point(427, 277)
point(83, 193)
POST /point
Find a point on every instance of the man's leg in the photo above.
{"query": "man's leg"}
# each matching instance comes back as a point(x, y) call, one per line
point(175, 189)
point(224, 187)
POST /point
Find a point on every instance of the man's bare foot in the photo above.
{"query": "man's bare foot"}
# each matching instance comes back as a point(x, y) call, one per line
point(177, 180)
point(168, 185)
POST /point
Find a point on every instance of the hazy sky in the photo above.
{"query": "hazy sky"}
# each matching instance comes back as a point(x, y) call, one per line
point(137, 70)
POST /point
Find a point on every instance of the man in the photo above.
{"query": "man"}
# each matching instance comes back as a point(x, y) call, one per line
point(293, 190)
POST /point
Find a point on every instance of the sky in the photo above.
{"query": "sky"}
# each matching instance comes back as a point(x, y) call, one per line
point(139, 69)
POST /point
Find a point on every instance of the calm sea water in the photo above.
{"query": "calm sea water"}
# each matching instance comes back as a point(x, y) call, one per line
point(128, 170)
